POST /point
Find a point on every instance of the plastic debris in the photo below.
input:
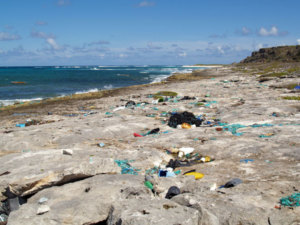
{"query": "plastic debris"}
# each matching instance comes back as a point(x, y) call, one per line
point(152, 170)
point(119, 108)
point(195, 174)
point(101, 144)
point(246, 160)
point(154, 131)
point(67, 151)
point(91, 161)
point(173, 191)
point(162, 173)
point(130, 104)
point(185, 117)
point(42, 200)
point(137, 135)
point(186, 150)
point(20, 125)
point(126, 167)
point(213, 187)
point(233, 129)
point(266, 135)
point(149, 185)
point(291, 201)
point(186, 126)
point(232, 183)
point(297, 87)
point(43, 209)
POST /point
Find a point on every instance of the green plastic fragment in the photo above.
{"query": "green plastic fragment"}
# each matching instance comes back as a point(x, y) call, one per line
point(177, 172)
point(291, 201)
point(149, 185)
point(152, 170)
point(126, 167)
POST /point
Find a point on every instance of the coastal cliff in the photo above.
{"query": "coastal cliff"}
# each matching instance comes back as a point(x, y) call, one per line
point(275, 54)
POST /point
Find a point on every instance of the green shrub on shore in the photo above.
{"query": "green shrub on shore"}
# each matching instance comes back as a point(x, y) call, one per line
point(292, 98)
point(167, 93)
point(281, 74)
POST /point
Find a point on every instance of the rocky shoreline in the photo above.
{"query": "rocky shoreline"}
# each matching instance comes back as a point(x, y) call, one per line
point(95, 160)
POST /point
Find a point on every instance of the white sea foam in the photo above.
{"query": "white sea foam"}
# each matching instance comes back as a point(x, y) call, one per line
point(108, 87)
point(158, 78)
point(13, 101)
point(88, 91)
point(94, 68)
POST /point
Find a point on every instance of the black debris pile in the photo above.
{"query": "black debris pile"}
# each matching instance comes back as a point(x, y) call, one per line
point(185, 117)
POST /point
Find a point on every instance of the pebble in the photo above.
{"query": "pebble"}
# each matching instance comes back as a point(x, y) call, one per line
point(43, 209)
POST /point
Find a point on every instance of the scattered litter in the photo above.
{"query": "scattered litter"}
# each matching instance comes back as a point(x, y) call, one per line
point(126, 167)
point(187, 98)
point(186, 150)
point(130, 104)
point(20, 125)
point(154, 131)
point(213, 187)
point(185, 117)
point(186, 126)
point(42, 200)
point(266, 135)
point(232, 183)
point(233, 129)
point(3, 218)
point(101, 144)
point(173, 191)
point(43, 209)
point(246, 160)
point(151, 115)
point(137, 135)
point(291, 201)
point(119, 108)
point(67, 151)
point(91, 159)
point(71, 114)
point(297, 87)
point(153, 170)
point(5, 173)
point(149, 185)
point(195, 174)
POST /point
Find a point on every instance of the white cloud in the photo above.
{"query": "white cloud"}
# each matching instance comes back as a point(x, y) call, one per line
point(298, 41)
point(4, 36)
point(49, 38)
point(145, 4)
point(182, 54)
point(40, 34)
point(246, 31)
point(265, 32)
point(123, 55)
point(52, 43)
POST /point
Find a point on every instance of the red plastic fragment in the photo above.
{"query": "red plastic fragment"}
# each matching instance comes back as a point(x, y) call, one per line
point(137, 135)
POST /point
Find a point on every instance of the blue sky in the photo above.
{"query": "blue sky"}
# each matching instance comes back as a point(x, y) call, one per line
point(142, 32)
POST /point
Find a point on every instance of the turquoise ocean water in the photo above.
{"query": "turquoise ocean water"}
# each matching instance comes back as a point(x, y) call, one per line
point(47, 82)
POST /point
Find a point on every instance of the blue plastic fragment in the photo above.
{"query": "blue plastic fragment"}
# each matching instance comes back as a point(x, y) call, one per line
point(246, 160)
point(101, 144)
point(20, 125)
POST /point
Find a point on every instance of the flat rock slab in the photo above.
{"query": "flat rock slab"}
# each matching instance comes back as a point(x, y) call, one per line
point(34, 171)
point(110, 198)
